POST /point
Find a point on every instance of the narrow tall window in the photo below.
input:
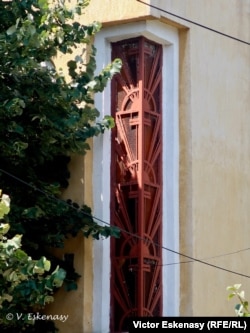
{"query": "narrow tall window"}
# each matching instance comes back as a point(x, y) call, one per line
point(136, 182)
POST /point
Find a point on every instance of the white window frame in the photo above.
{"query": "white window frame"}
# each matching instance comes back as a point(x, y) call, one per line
point(167, 36)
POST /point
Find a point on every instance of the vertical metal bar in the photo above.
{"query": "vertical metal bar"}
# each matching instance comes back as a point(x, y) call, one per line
point(141, 216)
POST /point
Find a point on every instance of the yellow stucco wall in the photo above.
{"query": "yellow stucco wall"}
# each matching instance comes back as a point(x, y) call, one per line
point(214, 120)
point(214, 159)
point(220, 161)
point(77, 304)
point(111, 12)
point(214, 140)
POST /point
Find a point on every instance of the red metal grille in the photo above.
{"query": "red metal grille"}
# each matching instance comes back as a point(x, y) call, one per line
point(136, 182)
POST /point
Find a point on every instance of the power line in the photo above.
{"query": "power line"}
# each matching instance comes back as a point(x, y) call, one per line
point(192, 259)
point(195, 23)
point(208, 258)
point(207, 263)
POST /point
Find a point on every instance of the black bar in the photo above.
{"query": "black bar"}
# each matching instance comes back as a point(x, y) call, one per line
point(195, 323)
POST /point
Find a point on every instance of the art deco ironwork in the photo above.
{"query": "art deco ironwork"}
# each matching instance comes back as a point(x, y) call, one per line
point(136, 182)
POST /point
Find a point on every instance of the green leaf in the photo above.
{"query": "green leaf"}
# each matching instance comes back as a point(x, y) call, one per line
point(237, 286)
point(4, 205)
point(115, 232)
point(115, 67)
point(241, 294)
point(6, 297)
point(58, 277)
point(20, 255)
point(46, 117)
point(15, 242)
point(48, 299)
point(109, 122)
point(4, 228)
point(42, 265)
point(33, 212)
point(11, 30)
point(231, 295)
point(12, 277)
point(43, 4)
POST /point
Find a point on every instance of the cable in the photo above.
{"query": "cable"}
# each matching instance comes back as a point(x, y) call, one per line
point(195, 23)
point(207, 258)
point(207, 263)
point(46, 194)
point(192, 259)
point(123, 230)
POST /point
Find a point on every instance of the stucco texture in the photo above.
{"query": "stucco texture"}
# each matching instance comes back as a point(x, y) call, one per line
point(214, 141)
point(214, 145)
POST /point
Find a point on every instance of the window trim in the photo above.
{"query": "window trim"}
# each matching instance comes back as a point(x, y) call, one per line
point(168, 37)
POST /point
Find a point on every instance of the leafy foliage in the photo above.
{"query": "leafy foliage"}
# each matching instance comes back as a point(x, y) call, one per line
point(241, 309)
point(24, 282)
point(45, 117)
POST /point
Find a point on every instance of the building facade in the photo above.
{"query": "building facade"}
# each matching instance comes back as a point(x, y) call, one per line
point(173, 174)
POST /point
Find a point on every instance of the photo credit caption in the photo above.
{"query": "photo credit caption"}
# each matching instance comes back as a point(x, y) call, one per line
point(194, 323)
point(33, 316)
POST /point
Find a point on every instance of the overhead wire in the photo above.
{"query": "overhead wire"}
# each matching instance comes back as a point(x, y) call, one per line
point(225, 35)
point(192, 259)
point(207, 258)
point(195, 23)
